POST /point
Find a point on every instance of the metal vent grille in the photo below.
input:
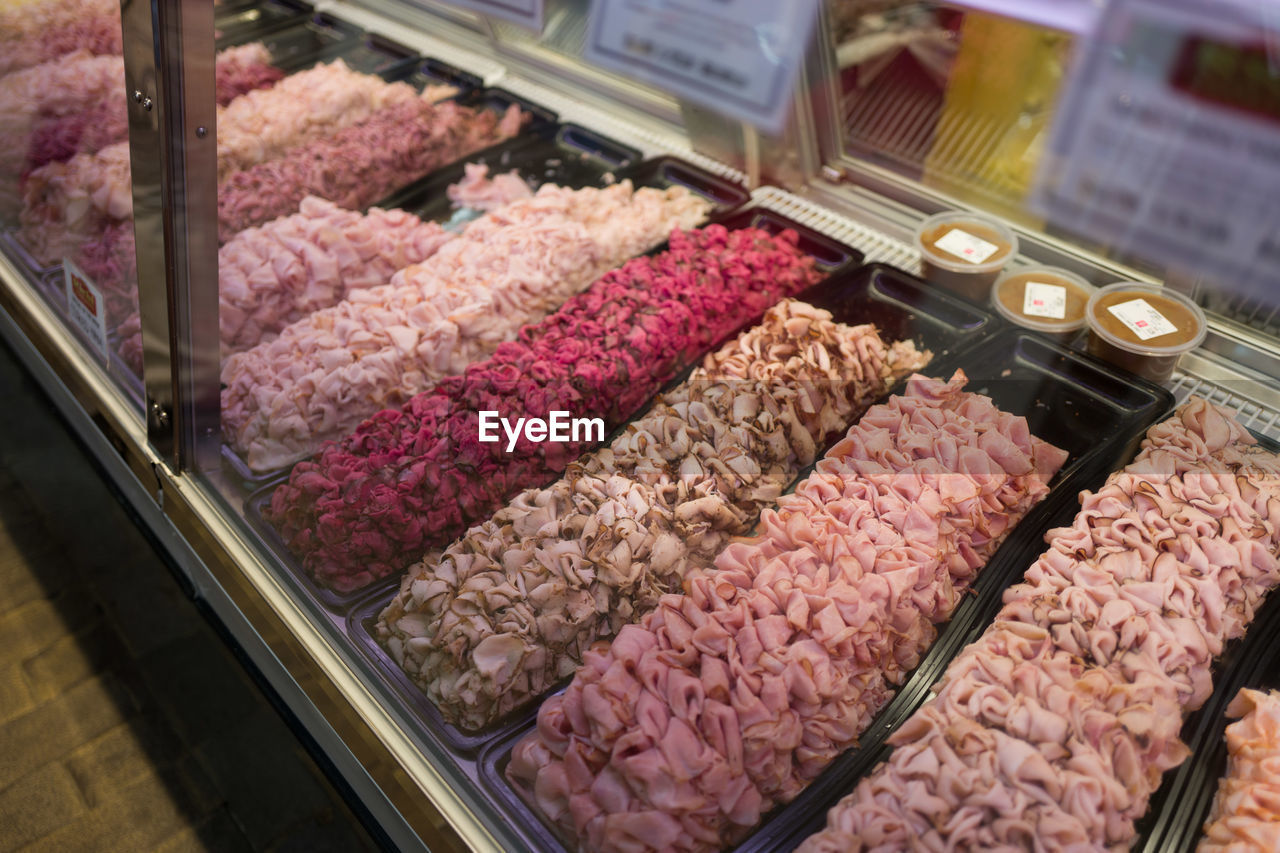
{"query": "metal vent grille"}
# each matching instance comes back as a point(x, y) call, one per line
point(1255, 416)
point(878, 247)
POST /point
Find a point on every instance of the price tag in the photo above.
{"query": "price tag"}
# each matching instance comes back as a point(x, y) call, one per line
point(86, 307)
point(1045, 300)
point(525, 12)
point(737, 57)
point(967, 246)
point(1166, 142)
point(1141, 319)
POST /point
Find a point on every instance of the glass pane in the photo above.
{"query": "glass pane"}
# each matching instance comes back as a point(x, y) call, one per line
point(65, 196)
point(965, 102)
point(920, 94)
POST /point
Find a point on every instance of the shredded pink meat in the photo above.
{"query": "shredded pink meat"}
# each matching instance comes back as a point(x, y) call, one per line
point(35, 33)
point(278, 273)
point(480, 192)
point(240, 70)
point(1055, 727)
point(363, 163)
point(508, 610)
point(414, 478)
point(1246, 813)
point(326, 373)
point(730, 698)
point(265, 123)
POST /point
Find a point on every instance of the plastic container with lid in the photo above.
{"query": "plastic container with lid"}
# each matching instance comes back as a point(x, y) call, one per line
point(964, 252)
point(1049, 300)
point(1143, 328)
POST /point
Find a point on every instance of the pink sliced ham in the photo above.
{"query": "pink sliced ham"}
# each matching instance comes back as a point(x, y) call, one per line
point(729, 698)
point(1246, 812)
point(1056, 726)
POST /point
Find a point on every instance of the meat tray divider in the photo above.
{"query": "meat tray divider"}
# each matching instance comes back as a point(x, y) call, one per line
point(436, 72)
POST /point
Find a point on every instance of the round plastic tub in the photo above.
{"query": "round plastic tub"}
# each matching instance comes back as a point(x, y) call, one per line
point(965, 252)
point(1057, 311)
point(1116, 313)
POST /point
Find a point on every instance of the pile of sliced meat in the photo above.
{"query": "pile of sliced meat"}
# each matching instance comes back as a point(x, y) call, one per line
point(278, 273)
point(326, 373)
point(240, 70)
point(264, 124)
point(509, 610)
point(1054, 728)
point(363, 163)
point(730, 698)
point(412, 479)
point(39, 32)
point(1246, 813)
point(66, 205)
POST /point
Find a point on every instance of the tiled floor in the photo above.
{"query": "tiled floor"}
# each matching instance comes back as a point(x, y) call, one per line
point(125, 724)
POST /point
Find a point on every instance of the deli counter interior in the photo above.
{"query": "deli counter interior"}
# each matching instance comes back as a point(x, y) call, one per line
point(816, 426)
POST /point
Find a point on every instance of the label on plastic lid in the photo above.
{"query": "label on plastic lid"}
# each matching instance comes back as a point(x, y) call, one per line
point(1141, 319)
point(962, 244)
point(1045, 300)
point(86, 307)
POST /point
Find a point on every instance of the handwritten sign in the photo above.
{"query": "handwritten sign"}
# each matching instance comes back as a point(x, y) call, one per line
point(737, 57)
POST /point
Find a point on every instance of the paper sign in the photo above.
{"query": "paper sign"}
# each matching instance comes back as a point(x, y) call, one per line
point(737, 57)
point(1045, 300)
point(86, 307)
point(964, 245)
point(524, 12)
point(1166, 144)
point(1141, 319)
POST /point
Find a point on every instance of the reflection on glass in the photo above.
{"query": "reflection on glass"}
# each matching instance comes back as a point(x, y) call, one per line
point(921, 94)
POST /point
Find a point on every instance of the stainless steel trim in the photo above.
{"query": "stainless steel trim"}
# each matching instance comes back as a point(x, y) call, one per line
point(191, 135)
point(149, 113)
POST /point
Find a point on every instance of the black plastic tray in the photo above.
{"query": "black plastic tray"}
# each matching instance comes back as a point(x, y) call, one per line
point(937, 321)
point(437, 72)
point(300, 43)
point(831, 257)
point(368, 53)
point(568, 155)
point(1094, 411)
point(1177, 812)
point(242, 22)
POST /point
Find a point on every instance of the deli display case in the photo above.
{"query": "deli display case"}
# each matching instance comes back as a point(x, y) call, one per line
point(592, 460)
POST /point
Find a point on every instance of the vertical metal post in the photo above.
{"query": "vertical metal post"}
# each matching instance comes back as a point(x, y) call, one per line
point(169, 58)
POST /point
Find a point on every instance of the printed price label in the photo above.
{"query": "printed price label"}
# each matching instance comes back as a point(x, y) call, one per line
point(86, 307)
point(964, 245)
point(737, 57)
point(1141, 319)
point(1045, 300)
point(525, 12)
